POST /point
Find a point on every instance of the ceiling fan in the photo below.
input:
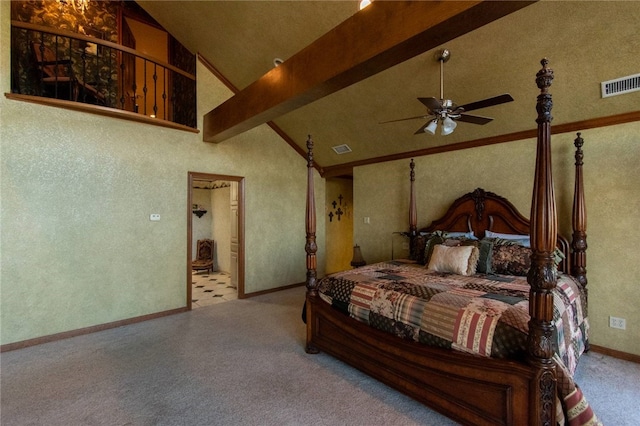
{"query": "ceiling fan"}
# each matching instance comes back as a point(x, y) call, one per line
point(446, 111)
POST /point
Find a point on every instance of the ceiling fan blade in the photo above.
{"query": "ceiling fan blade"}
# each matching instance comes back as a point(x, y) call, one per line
point(474, 119)
point(496, 100)
point(405, 119)
point(432, 104)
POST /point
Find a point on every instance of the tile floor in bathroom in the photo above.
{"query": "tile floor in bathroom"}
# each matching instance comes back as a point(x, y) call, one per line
point(211, 288)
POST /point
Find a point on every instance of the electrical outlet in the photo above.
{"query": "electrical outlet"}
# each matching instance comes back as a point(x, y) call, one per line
point(154, 217)
point(367, 220)
point(620, 323)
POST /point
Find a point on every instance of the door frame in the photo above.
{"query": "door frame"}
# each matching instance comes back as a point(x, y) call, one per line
point(209, 176)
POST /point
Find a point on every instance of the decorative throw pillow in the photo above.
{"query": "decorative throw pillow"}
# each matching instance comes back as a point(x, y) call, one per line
point(473, 260)
point(452, 242)
point(485, 249)
point(523, 240)
point(417, 247)
point(512, 259)
point(433, 240)
point(558, 256)
point(459, 260)
point(449, 239)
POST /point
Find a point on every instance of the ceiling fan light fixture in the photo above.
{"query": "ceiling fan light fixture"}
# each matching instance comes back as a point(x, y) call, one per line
point(448, 126)
point(364, 3)
point(445, 111)
point(431, 127)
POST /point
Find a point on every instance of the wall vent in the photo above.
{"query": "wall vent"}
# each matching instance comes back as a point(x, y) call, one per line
point(341, 149)
point(620, 85)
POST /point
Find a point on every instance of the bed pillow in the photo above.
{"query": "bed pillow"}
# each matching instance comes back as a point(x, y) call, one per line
point(523, 240)
point(432, 240)
point(467, 235)
point(459, 260)
point(511, 259)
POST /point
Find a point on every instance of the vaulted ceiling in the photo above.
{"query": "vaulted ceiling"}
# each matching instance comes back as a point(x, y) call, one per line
point(587, 42)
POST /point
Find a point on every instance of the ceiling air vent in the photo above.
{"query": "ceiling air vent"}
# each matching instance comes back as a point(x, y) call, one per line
point(341, 149)
point(620, 85)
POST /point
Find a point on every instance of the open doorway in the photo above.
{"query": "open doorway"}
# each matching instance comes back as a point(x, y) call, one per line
point(224, 224)
point(339, 224)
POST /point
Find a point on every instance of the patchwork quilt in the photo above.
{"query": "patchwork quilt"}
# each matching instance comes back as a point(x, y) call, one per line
point(485, 315)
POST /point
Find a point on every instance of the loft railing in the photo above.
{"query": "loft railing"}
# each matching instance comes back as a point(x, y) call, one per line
point(52, 63)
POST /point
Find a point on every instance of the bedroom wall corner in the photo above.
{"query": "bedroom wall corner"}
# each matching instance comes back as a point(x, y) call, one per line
point(339, 226)
point(275, 195)
point(612, 190)
point(77, 189)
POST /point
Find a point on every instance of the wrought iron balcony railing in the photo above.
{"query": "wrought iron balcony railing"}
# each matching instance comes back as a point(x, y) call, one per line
point(52, 63)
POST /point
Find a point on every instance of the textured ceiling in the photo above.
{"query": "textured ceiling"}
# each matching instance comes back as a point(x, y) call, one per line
point(586, 42)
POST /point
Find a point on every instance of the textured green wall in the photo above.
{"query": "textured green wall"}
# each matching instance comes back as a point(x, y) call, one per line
point(612, 187)
point(77, 246)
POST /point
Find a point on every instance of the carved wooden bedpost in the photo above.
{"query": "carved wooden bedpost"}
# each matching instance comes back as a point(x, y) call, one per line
point(310, 247)
point(413, 212)
point(543, 276)
point(579, 221)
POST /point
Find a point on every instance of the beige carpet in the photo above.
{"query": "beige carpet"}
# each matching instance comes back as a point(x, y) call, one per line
point(237, 363)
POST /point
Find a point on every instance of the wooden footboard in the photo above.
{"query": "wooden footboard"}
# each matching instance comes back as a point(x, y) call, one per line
point(466, 388)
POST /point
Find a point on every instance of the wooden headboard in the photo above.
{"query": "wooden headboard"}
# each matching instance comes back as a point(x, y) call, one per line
point(481, 211)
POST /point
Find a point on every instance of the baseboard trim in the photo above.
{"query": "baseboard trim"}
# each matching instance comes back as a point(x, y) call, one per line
point(271, 290)
point(93, 329)
point(615, 353)
point(87, 330)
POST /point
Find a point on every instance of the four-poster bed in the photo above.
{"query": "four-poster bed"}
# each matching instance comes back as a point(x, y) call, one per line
point(521, 386)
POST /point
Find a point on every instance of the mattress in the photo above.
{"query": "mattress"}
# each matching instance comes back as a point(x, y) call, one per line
point(482, 314)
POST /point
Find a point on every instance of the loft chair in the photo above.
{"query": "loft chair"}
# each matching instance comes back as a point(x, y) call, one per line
point(56, 73)
point(204, 256)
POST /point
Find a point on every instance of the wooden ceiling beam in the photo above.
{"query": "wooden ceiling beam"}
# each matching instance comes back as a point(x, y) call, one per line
point(382, 35)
